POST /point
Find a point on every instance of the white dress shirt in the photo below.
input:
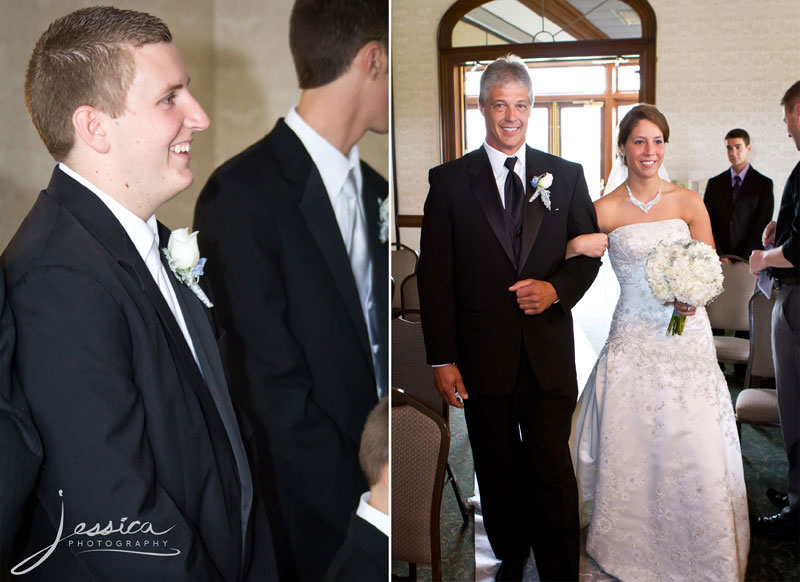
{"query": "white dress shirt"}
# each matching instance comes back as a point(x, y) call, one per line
point(372, 515)
point(142, 233)
point(498, 159)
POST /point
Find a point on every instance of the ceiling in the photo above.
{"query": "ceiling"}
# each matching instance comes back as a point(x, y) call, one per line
point(520, 21)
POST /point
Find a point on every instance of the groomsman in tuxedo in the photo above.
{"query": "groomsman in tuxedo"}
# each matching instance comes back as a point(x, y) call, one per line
point(292, 228)
point(783, 261)
point(496, 294)
point(739, 200)
point(20, 446)
point(145, 473)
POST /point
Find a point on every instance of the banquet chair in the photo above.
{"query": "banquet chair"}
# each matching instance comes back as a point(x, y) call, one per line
point(404, 263)
point(410, 295)
point(411, 373)
point(759, 406)
point(730, 311)
point(420, 441)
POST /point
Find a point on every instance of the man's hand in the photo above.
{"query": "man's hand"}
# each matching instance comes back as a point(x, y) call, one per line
point(757, 259)
point(768, 237)
point(726, 260)
point(534, 296)
point(448, 381)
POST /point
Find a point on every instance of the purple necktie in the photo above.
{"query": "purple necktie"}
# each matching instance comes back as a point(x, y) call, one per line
point(737, 183)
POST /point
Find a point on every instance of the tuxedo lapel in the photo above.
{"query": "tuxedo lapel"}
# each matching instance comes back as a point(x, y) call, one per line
point(200, 327)
point(101, 223)
point(315, 206)
point(534, 211)
point(373, 189)
point(484, 189)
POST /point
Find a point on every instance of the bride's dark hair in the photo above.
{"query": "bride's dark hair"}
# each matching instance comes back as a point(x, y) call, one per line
point(634, 116)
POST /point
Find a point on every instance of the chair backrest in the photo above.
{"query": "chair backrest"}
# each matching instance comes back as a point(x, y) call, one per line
point(410, 293)
point(404, 261)
point(730, 310)
point(420, 443)
point(760, 363)
point(410, 370)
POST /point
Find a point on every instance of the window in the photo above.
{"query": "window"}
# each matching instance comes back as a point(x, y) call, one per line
point(574, 99)
point(590, 60)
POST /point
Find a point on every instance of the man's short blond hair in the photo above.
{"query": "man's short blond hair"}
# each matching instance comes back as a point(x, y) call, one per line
point(373, 454)
point(84, 58)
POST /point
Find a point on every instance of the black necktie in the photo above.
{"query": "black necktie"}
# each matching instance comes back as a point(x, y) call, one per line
point(737, 183)
point(514, 192)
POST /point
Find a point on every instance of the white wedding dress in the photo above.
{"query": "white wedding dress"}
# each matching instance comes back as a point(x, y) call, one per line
point(654, 437)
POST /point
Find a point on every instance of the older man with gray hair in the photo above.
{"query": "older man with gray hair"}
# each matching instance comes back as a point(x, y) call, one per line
point(495, 294)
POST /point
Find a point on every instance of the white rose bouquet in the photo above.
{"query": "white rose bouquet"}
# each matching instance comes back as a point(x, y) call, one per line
point(687, 270)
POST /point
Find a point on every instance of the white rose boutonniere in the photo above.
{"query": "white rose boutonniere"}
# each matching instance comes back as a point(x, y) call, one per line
point(541, 185)
point(383, 218)
point(184, 261)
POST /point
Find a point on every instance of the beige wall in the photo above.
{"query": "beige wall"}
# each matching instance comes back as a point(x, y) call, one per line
point(238, 57)
point(709, 80)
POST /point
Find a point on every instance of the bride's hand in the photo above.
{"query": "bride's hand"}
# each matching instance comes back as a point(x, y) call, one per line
point(591, 245)
point(684, 308)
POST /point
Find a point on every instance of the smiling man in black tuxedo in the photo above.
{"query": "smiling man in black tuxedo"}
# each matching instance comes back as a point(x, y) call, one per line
point(496, 293)
point(300, 268)
point(117, 358)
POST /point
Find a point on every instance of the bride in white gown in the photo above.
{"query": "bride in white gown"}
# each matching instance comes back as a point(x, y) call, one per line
point(655, 445)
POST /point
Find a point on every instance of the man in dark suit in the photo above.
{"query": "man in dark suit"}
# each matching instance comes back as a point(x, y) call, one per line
point(20, 446)
point(739, 200)
point(496, 293)
point(145, 473)
point(783, 262)
point(364, 556)
point(292, 226)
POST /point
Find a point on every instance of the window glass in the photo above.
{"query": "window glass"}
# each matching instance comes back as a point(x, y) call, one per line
point(569, 80)
point(581, 134)
point(628, 78)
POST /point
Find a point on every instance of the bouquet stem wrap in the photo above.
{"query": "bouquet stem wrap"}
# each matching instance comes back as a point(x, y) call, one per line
point(676, 323)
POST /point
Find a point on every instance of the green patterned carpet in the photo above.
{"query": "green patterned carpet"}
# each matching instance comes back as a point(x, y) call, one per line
point(764, 466)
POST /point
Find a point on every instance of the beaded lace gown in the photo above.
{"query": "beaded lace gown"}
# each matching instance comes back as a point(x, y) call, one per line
point(654, 437)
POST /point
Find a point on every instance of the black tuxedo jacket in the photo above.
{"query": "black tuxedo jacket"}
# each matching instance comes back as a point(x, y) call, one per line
point(299, 348)
point(467, 265)
point(364, 555)
point(20, 446)
point(737, 228)
point(132, 431)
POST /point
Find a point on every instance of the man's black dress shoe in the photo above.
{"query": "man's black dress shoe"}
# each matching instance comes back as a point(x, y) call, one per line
point(510, 570)
point(773, 527)
point(778, 499)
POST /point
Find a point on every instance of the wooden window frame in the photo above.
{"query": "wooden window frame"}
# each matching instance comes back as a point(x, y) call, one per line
point(451, 58)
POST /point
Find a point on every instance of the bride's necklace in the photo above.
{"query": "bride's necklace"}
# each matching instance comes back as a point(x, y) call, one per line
point(640, 205)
